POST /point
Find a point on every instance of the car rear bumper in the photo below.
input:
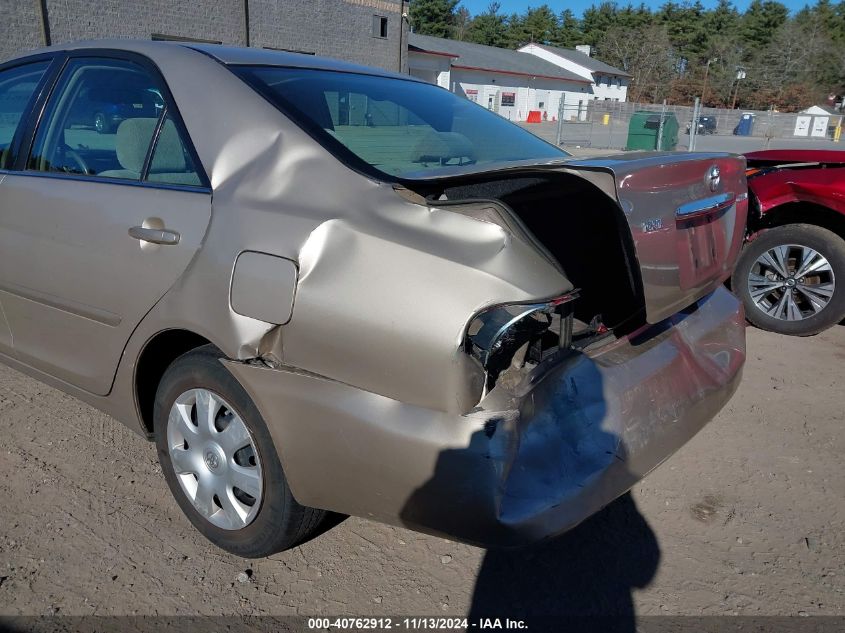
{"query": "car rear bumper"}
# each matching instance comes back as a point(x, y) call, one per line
point(530, 462)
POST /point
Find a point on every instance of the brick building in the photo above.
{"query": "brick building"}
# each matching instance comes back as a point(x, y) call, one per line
point(370, 32)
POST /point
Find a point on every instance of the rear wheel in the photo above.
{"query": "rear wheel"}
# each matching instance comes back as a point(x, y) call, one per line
point(220, 462)
point(792, 279)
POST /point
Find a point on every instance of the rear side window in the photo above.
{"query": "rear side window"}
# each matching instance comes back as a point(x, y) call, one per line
point(171, 163)
point(398, 127)
point(108, 118)
point(17, 88)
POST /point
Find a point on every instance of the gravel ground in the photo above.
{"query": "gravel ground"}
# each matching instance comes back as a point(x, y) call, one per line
point(748, 518)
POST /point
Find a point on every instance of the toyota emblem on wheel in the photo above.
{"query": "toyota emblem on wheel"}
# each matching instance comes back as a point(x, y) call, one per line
point(211, 460)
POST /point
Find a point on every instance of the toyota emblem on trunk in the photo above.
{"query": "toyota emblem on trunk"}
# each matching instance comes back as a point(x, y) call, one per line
point(714, 177)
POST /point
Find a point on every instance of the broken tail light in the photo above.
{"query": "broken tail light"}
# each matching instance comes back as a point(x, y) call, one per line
point(516, 333)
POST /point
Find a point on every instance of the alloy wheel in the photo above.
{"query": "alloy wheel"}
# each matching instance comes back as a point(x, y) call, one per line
point(791, 282)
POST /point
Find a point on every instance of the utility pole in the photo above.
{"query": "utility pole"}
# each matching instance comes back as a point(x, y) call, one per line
point(45, 22)
point(660, 126)
point(693, 130)
point(740, 74)
point(403, 17)
point(246, 23)
point(706, 73)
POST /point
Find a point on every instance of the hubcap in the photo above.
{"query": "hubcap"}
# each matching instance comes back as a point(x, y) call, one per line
point(791, 282)
point(215, 459)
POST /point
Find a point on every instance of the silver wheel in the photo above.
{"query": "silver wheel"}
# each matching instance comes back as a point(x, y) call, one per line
point(791, 282)
point(215, 459)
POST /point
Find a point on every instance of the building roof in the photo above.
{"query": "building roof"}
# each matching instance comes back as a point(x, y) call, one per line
point(820, 109)
point(590, 63)
point(501, 60)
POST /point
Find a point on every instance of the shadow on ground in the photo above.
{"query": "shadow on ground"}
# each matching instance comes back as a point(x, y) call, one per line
point(566, 457)
point(589, 571)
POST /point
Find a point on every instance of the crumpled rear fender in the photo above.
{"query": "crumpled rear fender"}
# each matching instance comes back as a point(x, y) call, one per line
point(384, 305)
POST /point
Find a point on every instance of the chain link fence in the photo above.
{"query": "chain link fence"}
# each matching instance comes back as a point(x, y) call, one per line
point(605, 124)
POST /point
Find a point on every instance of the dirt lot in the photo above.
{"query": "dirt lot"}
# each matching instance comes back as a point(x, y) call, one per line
point(748, 518)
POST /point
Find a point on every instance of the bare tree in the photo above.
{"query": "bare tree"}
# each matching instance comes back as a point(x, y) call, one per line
point(463, 19)
point(646, 53)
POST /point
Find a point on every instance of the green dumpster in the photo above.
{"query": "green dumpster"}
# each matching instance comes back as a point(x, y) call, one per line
point(644, 128)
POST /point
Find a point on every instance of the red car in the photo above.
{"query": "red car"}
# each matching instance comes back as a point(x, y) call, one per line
point(791, 274)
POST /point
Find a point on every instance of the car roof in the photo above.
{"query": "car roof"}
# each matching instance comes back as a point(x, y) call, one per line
point(229, 55)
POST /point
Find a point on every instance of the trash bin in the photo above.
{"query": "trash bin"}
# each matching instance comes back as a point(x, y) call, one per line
point(644, 128)
point(746, 125)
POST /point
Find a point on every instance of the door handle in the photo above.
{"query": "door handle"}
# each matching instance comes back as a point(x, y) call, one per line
point(154, 236)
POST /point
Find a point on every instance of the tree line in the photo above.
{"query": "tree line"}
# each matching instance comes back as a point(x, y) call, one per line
point(755, 59)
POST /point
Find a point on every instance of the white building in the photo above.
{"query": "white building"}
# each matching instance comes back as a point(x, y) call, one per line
point(515, 85)
point(607, 83)
point(818, 121)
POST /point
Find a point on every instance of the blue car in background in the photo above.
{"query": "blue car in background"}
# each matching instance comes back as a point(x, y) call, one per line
point(109, 113)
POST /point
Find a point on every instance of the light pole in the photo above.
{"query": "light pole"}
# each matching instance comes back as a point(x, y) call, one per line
point(706, 73)
point(740, 74)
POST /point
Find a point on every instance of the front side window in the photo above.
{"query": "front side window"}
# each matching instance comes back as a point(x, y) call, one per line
point(108, 118)
point(401, 128)
point(17, 88)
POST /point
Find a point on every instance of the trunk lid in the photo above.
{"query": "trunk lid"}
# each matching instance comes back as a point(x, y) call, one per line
point(686, 213)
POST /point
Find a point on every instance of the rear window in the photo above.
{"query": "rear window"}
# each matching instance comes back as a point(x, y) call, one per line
point(400, 128)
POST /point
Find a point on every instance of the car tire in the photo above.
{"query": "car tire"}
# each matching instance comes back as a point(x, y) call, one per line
point(101, 124)
point(762, 297)
point(274, 521)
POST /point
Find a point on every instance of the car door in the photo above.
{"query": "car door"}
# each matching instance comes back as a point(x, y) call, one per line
point(19, 84)
point(96, 227)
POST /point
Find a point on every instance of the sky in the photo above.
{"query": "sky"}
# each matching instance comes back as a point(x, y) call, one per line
point(578, 6)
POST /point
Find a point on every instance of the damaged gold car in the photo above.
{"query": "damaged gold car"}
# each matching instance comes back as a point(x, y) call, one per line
point(325, 288)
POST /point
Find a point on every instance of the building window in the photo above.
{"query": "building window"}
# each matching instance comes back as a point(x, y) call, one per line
point(508, 99)
point(380, 26)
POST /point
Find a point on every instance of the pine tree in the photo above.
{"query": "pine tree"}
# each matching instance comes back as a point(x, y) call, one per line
point(433, 17)
point(761, 21)
point(490, 27)
point(569, 33)
point(598, 20)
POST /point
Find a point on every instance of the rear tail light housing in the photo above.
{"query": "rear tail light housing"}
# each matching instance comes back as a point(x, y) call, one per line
point(513, 334)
